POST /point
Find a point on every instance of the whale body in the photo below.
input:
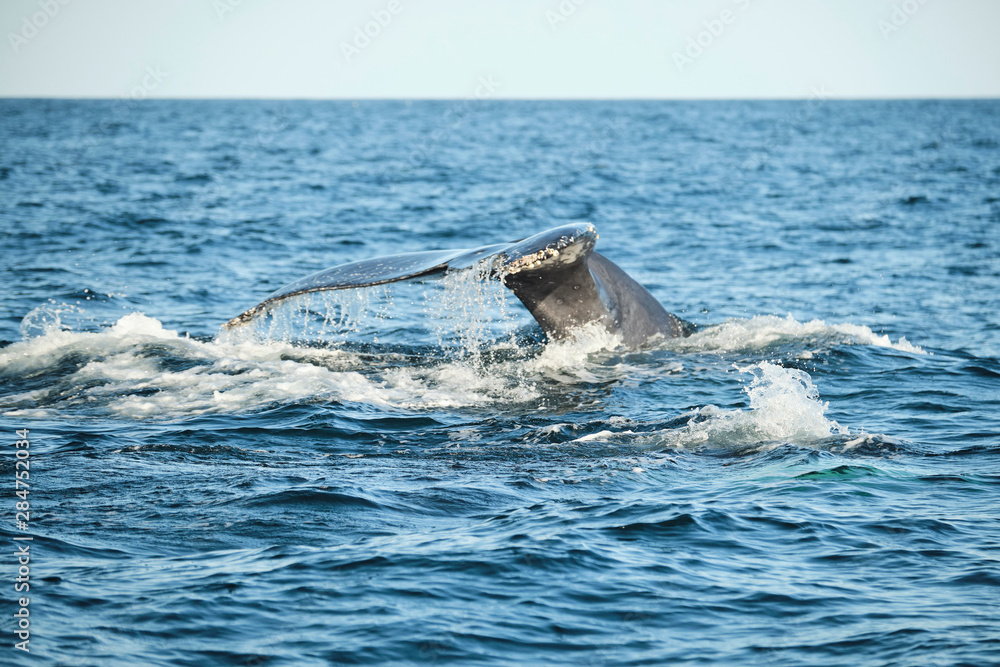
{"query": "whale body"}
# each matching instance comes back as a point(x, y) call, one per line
point(556, 274)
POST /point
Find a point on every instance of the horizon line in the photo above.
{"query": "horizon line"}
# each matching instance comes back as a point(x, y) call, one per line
point(832, 98)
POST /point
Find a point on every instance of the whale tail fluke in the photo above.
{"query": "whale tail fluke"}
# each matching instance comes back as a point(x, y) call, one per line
point(371, 272)
point(504, 258)
point(556, 274)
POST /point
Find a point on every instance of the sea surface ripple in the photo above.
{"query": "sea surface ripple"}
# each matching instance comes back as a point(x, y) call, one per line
point(411, 474)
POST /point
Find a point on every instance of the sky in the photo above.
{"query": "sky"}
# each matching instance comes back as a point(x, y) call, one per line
point(412, 49)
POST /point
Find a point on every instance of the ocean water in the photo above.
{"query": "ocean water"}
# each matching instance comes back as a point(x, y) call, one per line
point(411, 474)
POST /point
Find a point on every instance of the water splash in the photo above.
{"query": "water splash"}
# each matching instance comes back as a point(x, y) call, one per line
point(568, 360)
point(47, 318)
point(137, 369)
point(470, 357)
point(322, 317)
point(471, 310)
point(784, 407)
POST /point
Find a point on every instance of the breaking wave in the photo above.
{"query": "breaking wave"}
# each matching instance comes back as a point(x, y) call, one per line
point(785, 406)
point(138, 369)
point(763, 331)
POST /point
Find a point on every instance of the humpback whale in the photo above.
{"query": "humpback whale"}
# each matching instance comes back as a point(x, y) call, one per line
point(556, 274)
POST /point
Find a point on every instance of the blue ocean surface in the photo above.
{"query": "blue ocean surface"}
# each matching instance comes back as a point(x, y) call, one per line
point(413, 474)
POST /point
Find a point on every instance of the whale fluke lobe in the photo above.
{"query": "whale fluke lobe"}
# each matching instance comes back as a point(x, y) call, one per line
point(556, 274)
point(371, 272)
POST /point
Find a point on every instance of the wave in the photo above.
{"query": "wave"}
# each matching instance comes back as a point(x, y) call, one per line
point(762, 331)
point(138, 369)
point(784, 407)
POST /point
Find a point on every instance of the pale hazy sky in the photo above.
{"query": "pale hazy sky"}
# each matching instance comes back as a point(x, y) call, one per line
point(500, 48)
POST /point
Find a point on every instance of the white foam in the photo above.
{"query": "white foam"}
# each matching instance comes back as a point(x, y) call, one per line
point(763, 330)
point(139, 369)
point(570, 355)
point(866, 336)
point(603, 436)
point(784, 407)
point(232, 377)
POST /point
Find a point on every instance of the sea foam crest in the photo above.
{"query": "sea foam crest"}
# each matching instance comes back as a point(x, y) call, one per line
point(763, 330)
point(785, 406)
point(138, 369)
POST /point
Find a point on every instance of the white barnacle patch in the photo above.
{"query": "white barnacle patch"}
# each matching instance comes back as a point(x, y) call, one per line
point(532, 261)
point(535, 259)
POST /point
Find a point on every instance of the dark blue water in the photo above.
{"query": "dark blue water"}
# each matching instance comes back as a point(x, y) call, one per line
point(411, 475)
